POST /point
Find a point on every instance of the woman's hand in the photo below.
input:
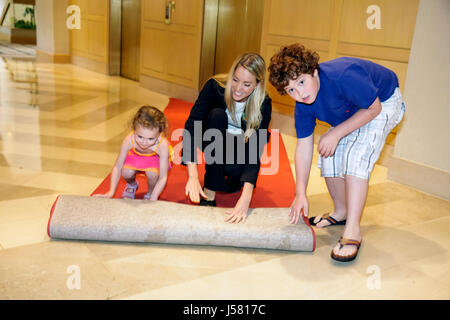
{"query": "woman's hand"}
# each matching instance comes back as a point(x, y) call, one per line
point(239, 212)
point(193, 190)
point(299, 206)
point(328, 143)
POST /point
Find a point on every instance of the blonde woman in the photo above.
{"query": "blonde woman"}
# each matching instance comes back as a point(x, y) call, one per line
point(237, 107)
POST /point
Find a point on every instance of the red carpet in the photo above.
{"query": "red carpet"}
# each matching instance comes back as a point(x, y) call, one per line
point(272, 190)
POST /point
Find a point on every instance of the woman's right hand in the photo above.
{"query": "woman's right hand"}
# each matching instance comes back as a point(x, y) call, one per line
point(299, 206)
point(194, 190)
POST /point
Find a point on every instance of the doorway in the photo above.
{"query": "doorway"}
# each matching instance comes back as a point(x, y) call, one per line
point(239, 26)
point(231, 27)
point(130, 39)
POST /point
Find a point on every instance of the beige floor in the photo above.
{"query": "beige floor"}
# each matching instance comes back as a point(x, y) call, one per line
point(60, 128)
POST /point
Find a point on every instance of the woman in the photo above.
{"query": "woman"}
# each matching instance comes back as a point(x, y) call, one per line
point(236, 106)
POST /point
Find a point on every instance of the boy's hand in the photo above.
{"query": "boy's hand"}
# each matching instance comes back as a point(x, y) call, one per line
point(299, 206)
point(328, 143)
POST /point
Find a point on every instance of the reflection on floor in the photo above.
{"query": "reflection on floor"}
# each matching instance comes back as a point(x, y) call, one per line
point(17, 50)
point(60, 129)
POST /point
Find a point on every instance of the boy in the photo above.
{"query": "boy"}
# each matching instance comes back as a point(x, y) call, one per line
point(362, 102)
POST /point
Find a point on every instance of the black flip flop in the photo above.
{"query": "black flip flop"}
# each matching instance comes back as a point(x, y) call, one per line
point(331, 220)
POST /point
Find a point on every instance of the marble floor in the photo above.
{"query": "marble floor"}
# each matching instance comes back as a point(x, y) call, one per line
point(60, 129)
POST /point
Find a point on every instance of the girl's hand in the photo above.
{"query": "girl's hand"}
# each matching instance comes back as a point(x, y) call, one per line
point(299, 205)
point(239, 213)
point(104, 195)
point(194, 190)
point(328, 143)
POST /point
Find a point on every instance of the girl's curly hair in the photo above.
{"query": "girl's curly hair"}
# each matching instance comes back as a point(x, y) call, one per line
point(288, 63)
point(150, 117)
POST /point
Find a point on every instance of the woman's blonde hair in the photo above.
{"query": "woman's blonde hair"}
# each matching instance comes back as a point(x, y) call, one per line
point(255, 64)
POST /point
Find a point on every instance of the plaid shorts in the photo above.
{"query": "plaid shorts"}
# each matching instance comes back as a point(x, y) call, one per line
point(357, 152)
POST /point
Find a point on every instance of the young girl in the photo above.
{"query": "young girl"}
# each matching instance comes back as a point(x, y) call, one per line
point(145, 149)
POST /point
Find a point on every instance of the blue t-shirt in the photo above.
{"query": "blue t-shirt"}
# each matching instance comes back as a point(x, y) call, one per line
point(346, 85)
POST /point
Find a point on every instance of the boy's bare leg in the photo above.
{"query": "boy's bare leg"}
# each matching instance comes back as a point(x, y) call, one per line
point(336, 188)
point(356, 194)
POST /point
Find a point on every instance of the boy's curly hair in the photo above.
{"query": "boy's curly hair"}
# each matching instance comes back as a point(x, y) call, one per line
point(288, 63)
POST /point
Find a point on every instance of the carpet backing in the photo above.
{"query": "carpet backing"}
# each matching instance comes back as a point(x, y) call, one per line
point(103, 219)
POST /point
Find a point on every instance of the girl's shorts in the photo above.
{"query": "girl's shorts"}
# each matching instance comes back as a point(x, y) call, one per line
point(148, 163)
point(357, 152)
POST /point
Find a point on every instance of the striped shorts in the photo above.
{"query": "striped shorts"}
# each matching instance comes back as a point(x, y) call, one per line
point(357, 152)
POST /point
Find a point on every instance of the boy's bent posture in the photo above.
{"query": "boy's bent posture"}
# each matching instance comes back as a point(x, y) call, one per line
point(362, 102)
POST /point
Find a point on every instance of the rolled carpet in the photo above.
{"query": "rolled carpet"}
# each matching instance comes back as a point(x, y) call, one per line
point(102, 219)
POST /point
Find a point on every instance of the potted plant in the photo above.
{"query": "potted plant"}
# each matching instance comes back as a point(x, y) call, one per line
point(26, 24)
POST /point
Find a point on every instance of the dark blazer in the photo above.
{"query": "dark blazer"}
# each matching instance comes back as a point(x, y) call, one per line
point(212, 96)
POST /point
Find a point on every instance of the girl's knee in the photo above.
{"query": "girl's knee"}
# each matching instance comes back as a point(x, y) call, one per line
point(128, 174)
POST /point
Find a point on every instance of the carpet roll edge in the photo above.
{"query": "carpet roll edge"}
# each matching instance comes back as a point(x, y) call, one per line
point(51, 216)
point(306, 221)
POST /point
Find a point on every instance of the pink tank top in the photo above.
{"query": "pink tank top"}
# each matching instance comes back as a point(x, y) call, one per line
point(145, 161)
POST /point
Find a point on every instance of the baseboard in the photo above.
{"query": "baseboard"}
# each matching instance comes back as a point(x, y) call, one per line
point(92, 65)
point(283, 109)
point(47, 57)
point(168, 88)
point(422, 177)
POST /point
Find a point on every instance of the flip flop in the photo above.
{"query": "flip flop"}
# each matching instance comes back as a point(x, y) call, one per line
point(346, 242)
point(130, 191)
point(327, 217)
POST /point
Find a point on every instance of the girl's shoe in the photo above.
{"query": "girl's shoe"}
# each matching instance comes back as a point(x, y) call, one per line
point(147, 196)
point(207, 203)
point(130, 191)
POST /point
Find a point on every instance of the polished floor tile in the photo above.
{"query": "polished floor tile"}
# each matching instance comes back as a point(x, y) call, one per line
point(60, 130)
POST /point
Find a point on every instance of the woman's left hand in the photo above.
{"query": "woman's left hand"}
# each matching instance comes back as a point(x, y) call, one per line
point(239, 212)
point(328, 143)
